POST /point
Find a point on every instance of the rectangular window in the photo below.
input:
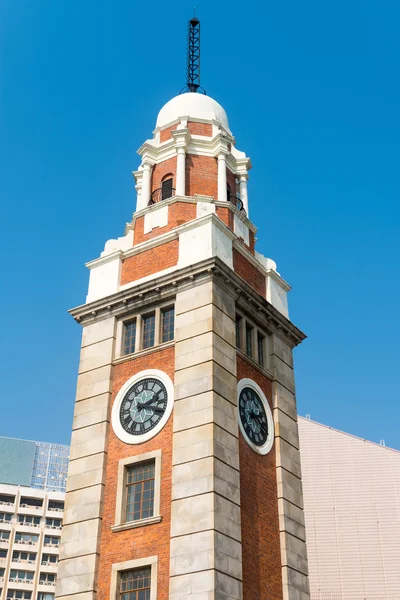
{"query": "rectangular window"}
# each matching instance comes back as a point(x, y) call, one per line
point(45, 596)
point(129, 337)
point(50, 540)
point(4, 535)
point(260, 346)
point(28, 520)
point(26, 502)
point(47, 578)
point(135, 585)
point(149, 323)
point(249, 340)
point(24, 575)
point(140, 491)
point(5, 517)
point(3, 553)
point(167, 324)
point(238, 323)
point(7, 500)
point(19, 556)
point(18, 594)
point(49, 559)
point(26, 538)
point(56, 505)
point(54, 523)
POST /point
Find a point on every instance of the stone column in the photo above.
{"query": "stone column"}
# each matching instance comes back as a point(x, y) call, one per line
point(138, 175)
point(222, 196)
point(80, 538)
point(206, 550)
point(243, 193)
point(181, 172)
point(290, 492)
point(146, 184)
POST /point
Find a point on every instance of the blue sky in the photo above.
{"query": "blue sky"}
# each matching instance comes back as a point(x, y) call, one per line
point(312, 93)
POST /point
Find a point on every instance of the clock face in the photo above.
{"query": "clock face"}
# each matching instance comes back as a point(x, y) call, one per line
point(143, 406)
point(253, 417)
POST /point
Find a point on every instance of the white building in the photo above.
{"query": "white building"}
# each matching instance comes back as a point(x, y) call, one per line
point(352, 513)
point(30, 517)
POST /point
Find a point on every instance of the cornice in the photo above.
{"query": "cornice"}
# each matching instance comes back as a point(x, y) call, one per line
point(166, 286)
point(267, 272)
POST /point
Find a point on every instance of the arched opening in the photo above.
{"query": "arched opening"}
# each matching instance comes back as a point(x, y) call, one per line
point(167, 186)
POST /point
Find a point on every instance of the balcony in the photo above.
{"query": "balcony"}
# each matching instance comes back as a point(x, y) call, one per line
point(161, 194)
point(236, 201)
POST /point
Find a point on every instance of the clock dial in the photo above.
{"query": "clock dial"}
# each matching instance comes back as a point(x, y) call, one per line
point(253, 416)
point(143, 406)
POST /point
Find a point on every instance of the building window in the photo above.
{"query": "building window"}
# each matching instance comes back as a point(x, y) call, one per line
point(149, 325)
point(3, 553)
point(167, 324)
point(135, 585)
point(5, 517)
point(53, 523)
point(20, 556)
point(49, 559)
point(26, 538)
point(31, 502)
point(28, 520)
point(21, 575)
point(4, 535)
point(238, 327)
point(249, 340)
point(260, 348)
point(45, 578)
point(18, 594)
point(140, 491)
point(56, 505)
point(129, 337)
point(6, 500)
point(166, 188)
point(45, 596)
point(51, 540)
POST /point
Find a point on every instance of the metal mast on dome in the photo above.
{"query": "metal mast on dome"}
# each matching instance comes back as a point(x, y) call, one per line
point(193, 57)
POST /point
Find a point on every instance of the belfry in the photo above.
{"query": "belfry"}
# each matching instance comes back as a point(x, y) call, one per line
point(184, 480)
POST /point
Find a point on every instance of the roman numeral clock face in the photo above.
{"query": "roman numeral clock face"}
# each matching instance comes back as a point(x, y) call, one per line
point(255, 417)
point(142, 406)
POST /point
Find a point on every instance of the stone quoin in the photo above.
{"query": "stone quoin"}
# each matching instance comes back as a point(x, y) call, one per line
point(185, 480)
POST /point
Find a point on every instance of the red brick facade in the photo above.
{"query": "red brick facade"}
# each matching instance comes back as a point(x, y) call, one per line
point(196, 128)
point(166, 134)
point(261, 555)
point(167, 167)
point(149, 262)
point(178, 213)
point(153, 539)
point(201, 175)
point(247, 271)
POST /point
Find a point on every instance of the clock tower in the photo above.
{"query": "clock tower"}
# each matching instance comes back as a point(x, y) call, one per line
point(184, 480)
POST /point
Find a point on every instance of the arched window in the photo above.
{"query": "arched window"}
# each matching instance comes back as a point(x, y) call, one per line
point(166, 186)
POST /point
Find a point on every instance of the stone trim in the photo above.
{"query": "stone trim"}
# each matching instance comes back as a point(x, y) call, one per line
point(121, 487)
point(168, 285)
point(150, 561)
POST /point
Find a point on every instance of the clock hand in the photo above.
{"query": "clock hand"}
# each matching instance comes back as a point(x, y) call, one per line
point(142, 404)
point(262, 425)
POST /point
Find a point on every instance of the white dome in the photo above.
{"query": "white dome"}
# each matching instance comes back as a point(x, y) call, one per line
point(197, 106)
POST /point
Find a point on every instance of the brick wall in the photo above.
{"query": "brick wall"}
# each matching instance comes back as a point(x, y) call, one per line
point(249, 272)
point(166, 134)
point(200, 128)
point(178, 213)
point(150, 261)
point(159, 171)
point(152, 539)
point(261, 555)
point(201, 175)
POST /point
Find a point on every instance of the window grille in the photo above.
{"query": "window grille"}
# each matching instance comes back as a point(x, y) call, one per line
point(140, 491)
